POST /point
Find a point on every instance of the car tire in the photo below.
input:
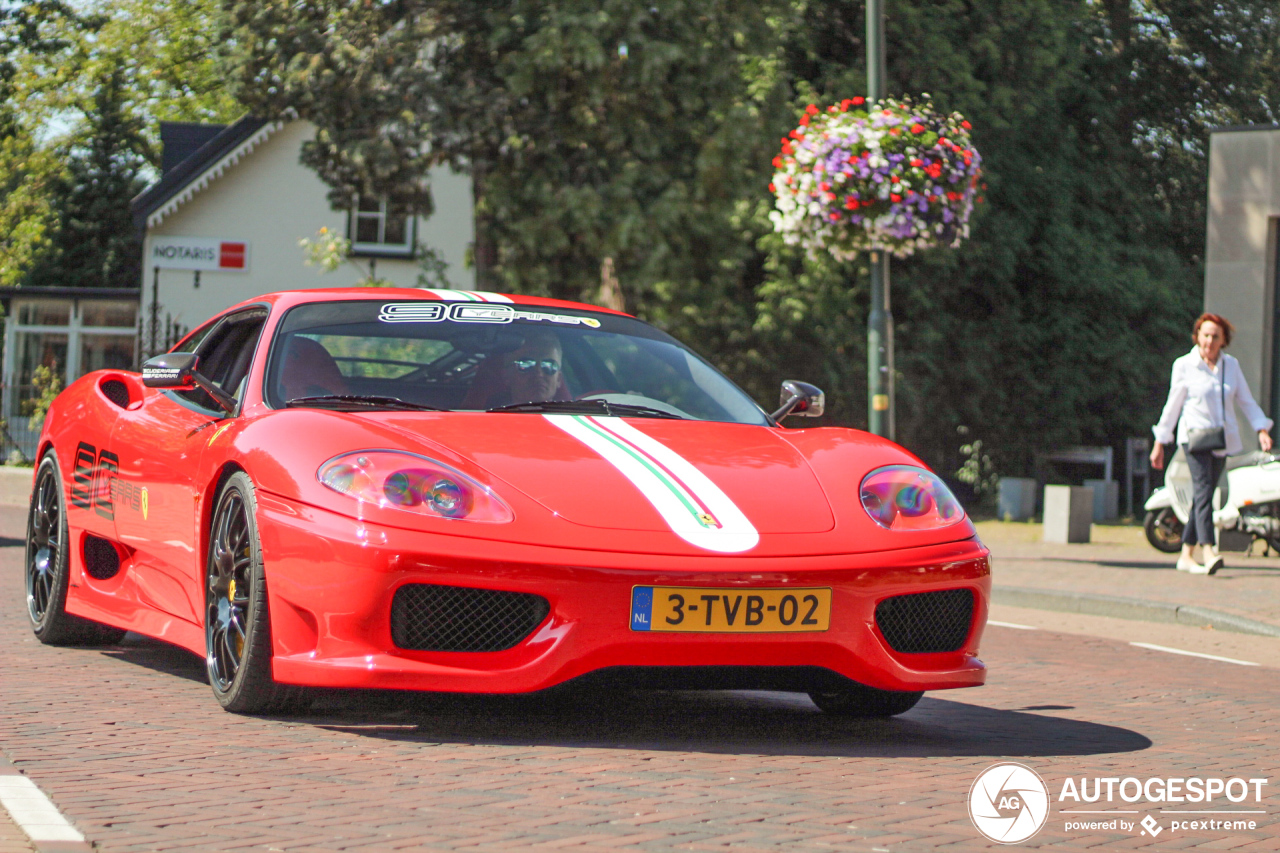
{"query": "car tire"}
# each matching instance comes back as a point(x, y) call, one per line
point(1163, 530)
point(47, 569)
point(237, 618)
point(858, 700)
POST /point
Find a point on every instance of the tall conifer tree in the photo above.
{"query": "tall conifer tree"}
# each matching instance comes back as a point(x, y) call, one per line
point(95, 243)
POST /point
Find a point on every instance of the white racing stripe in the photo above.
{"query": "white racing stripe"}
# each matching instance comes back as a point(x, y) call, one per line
point(34, 812)
point(1155, 648)
point(466, 295)
point(693, 507)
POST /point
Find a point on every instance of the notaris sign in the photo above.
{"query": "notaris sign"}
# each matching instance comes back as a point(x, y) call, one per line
point(199, 253)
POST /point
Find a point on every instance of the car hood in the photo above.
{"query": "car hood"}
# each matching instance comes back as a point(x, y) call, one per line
point(643, 473)
point(611, 484)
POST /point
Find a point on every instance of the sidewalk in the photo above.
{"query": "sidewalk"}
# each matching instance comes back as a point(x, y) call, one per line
point(1119, 564)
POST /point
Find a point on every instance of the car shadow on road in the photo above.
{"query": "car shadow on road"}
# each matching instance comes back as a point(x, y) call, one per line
point(711, 721)
point(754, 722)
point(158, 656)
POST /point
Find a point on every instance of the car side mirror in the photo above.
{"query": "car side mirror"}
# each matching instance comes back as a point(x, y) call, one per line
point(802, 399)
point(177, 371)
point(171, 370)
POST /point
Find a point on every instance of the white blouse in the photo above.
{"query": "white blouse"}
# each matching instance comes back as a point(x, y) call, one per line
point(1195, 401)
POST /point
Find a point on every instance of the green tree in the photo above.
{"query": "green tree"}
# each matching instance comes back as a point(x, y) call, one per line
point(27, 172)
point(1055, 324)
point(643, 131)
point(27, 177)
point(592, 130)
point(97, 78)
point(95, 243)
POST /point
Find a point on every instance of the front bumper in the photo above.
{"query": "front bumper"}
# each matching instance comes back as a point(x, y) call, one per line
point(331, 581)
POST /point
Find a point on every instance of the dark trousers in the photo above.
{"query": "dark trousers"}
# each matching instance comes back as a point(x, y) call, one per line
point(1206, 470)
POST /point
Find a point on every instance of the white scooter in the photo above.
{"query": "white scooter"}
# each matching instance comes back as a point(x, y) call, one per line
point(1247, 499)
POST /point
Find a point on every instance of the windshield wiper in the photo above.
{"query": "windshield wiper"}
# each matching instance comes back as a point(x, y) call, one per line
point(368, 401)
point(590, 407)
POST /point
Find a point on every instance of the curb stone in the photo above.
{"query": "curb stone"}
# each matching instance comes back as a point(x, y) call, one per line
point(1139, 609)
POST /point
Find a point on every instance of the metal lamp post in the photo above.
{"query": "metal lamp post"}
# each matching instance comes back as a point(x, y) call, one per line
point(880, 402)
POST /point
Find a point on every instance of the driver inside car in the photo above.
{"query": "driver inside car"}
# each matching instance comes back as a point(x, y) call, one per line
point(529, 374)
point(532, 373)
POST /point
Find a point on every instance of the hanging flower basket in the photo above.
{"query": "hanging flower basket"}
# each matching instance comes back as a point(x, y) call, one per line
point(889, 176)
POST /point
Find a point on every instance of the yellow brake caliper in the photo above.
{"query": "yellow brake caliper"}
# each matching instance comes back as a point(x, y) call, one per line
point(231, 597)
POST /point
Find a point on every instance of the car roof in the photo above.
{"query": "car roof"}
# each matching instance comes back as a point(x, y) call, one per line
point(290, 298)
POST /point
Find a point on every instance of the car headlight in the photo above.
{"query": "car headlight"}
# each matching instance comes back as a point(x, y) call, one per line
point(418, 484)
point(904, 497)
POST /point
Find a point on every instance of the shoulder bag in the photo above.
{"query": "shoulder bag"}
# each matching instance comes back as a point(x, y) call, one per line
point(1204, 439)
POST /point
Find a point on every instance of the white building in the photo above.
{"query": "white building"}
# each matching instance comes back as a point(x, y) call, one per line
point(1241, 261)
point(224, 221)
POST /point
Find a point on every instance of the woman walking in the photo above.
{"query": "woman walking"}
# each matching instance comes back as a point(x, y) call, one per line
point(1205, 386)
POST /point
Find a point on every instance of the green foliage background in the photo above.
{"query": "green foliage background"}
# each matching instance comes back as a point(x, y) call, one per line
point(84, 86)
point(642, 131)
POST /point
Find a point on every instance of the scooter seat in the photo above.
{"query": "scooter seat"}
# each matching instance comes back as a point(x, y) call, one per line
point(1244, 460)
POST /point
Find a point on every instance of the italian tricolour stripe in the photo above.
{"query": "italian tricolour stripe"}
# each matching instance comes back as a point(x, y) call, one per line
point(466, 295)
point(694, 507)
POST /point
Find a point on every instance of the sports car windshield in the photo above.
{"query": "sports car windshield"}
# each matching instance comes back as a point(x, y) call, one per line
point(366, 355)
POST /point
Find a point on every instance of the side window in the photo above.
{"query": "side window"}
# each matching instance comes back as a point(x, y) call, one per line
point(225, 355)
point(192, 341)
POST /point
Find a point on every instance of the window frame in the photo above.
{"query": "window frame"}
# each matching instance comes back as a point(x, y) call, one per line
point(213, 328)
point(381, 249)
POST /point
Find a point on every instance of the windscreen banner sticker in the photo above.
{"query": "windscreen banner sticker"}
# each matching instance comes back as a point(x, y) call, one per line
point(693, 507)
point(460, 312)
point(413, 312)
point(466, 295)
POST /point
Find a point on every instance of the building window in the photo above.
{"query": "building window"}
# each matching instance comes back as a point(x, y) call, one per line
point(374, 229)
point(70, 337)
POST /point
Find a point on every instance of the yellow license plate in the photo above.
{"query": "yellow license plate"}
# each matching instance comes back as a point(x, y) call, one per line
point(730, 611)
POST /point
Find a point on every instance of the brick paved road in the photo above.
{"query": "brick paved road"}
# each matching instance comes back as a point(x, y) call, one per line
point(132, 747)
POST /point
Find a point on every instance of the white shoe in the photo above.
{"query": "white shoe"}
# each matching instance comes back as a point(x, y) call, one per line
point(1186, 564)
point(1212, 560)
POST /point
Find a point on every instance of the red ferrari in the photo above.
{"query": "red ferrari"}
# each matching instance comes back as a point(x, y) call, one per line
point(471, 492)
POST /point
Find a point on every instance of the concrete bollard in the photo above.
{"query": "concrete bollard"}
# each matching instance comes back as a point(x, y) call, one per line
point(1017, 498)
point(1068, 512)
point(1106, 499)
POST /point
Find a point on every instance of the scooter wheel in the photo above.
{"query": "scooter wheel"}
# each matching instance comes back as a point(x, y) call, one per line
point(1163, 530)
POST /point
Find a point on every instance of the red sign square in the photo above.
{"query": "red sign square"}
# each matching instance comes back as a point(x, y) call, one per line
point(231, 256)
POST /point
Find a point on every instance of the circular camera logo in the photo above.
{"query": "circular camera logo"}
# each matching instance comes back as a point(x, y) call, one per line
point(1008, 803)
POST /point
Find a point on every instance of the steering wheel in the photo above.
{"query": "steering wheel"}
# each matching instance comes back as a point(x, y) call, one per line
point(623, 398)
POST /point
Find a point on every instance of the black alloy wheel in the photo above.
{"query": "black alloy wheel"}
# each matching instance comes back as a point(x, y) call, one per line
point(1163, 530)
point(237, 622)
point(48, 567)
point(858, 700)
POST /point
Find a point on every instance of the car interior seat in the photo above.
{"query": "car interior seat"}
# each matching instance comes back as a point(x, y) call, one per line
point(310, 371)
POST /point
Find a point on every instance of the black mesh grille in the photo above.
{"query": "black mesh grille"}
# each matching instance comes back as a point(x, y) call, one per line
point(116, 391)
point(101, 560)
point(435, 618)
point(926, 621)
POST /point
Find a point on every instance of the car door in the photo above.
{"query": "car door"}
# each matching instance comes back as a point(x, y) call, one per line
point(159, 445)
